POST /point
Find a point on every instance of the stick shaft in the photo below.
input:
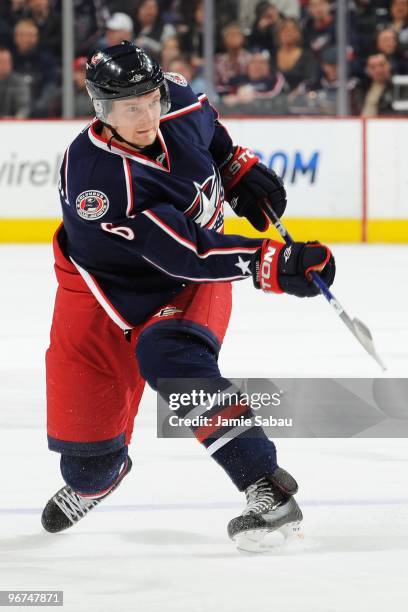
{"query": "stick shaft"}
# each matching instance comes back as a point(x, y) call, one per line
point(356, 327)
point(320, 284)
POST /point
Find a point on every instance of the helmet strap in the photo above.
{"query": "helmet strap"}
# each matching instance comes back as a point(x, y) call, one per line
point(120, 138)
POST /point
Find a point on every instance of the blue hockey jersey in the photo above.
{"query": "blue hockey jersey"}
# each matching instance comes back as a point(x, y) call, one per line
point(138, 229)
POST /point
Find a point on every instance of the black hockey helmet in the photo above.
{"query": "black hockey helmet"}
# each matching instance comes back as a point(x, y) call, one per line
point(123, 71)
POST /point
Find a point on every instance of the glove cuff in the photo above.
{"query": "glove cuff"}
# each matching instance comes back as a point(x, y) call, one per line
point(234, 168)
point(265, 266)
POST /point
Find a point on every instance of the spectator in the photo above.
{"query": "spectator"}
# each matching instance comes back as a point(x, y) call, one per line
point(170, 50)
point(187, 8)
point(319, 30)
point(288, 8)
point(329, 82)
point(5, 33)
point(82, 102)
point(10, 12)
point(14, 89)
point(184, 67)
point(234, 61)
point(387, 43)
point(226, 11)
point(263, 33)
point(191, 36)
point(48, 23)
point(170, 11)
point(299, 66)
point(258, 84)
point(365, 17)
point(260, 92)
point(150, 29)
point(399, 13)
point(37, 65)
point(248, 10)
point(123, 6)
point(325, 100)
point(376, 98)
point(90, 19)
point(181, 65)
point(118, 27)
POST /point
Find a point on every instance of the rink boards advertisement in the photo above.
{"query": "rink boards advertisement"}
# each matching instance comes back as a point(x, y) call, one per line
point(346, 179)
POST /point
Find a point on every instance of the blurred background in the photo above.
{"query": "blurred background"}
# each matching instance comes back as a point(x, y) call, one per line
point(296, 64)
point(286, 57)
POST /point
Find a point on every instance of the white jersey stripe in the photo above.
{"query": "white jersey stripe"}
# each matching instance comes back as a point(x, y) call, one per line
point(227, 437)
point(93, 287)
point(129, 190)
point(203, 280)
point(66, 176)
point(191, 246)
point(182, 111)
point(117, 150)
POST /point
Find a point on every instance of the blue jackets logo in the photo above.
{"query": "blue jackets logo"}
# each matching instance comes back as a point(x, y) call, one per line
point(207, 207)
point(92, 205)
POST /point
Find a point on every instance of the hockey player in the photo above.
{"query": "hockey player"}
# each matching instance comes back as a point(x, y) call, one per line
point(144, 273)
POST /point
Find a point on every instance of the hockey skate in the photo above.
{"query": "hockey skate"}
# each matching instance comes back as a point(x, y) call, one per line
point(67, 507)
point(271, 509)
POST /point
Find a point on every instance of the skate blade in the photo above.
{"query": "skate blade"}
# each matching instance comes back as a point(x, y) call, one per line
point(289, 538)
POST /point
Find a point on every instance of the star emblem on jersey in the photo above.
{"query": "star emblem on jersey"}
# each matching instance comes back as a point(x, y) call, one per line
point(243, 265)
point(92, 204)
point(207, 209)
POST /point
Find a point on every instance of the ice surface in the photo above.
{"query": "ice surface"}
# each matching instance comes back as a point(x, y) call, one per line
point(159, 543)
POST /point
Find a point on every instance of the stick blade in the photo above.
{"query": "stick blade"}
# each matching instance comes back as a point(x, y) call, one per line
point(365, 337)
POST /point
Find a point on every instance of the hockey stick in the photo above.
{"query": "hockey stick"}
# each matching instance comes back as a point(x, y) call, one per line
point(357, 327)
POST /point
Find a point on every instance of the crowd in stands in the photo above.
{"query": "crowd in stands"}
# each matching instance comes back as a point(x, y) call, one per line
point(272, 57)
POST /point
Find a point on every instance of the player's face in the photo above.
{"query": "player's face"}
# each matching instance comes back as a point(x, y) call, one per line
point(137, 119)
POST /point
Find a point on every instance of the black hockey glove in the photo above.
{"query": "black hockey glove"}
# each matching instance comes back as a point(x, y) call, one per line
point(279, 268)
point(247, 183)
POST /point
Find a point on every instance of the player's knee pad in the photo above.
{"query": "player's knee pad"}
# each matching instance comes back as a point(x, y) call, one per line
point(167, 353)
point(92, 474)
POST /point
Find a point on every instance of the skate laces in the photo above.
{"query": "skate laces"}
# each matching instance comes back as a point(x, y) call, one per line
point(73, 505)
point(260, 497)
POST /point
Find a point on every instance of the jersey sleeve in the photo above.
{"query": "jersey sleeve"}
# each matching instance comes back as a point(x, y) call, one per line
point(166, 239)
point(183, 97)
point(221, 145)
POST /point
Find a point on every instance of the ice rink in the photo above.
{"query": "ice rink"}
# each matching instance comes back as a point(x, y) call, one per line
point(159, 543)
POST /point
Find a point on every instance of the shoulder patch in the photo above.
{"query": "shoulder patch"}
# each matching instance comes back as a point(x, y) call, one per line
point(177, 78)
point(92, 204)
